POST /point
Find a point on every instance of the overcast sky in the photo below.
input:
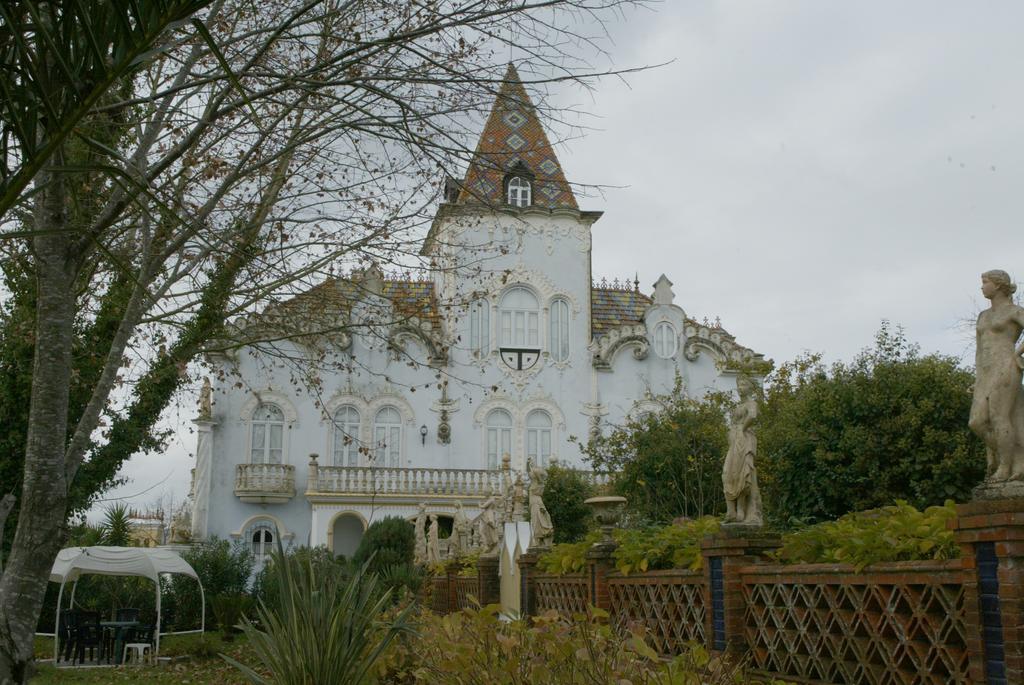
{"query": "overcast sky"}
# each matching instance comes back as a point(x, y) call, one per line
point(802, 169)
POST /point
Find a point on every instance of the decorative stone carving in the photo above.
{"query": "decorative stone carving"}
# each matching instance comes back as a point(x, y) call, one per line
point(433, 542)
point(461, 533)
point(487, 527)
point(739, 473)
point(663, 291)
point(542, 531)
point(206, 401)
point(421, 332)
point(723, 346)
point(997, 410)
point(420, 548)
point(602, 350)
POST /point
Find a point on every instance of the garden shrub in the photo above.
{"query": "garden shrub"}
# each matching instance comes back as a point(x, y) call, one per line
point(646, 549)
point(894, 533)
point(388, 542)
point(322, 560)
point(565, 490)
point(477, 647)
point(229, 611)
point(223, 568)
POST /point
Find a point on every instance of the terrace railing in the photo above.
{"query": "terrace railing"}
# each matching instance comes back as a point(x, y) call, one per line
point(264, 483)
point(424, 482)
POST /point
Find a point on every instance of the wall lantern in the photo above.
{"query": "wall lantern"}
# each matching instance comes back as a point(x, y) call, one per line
point(423, 433)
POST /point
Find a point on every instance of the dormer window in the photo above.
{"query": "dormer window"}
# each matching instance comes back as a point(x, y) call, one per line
point(519, 192)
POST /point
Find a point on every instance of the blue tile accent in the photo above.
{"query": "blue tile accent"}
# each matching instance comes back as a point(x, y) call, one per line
point(991, 616)
point(717, 604)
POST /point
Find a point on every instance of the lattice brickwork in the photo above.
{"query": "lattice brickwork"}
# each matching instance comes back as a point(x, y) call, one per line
point(565, 594)
point(668, 604)
point(464, 588)
point(896, 624)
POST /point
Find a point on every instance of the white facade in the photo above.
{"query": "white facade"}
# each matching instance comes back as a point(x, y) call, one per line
point(512, 288)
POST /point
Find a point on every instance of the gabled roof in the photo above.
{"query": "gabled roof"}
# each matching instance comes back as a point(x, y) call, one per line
point(514, 138)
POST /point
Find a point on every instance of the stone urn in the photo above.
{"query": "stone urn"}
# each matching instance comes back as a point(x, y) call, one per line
point(608, 512)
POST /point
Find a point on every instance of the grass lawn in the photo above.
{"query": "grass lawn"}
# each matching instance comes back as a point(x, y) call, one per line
point(195, 670)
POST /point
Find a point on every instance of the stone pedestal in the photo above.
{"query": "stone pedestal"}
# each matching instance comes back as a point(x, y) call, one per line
point(488, 583)
point(600, 563)
point(527, 573)
point(202, 477)
point(991, 537)
point(725, 553)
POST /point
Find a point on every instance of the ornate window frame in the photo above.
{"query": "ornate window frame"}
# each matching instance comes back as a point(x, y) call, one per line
point(559, 300)
point(509, 430)
point(291, 418)
point(245, 531)
point(673, 338)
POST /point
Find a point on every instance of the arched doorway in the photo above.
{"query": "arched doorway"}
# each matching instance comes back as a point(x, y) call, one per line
point(346, 533)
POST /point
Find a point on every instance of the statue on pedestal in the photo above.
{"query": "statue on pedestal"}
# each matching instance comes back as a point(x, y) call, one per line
point(487, 526)
point(459, 542)
point(542, 531)
point(206, 401)
point(420, 549)
point(433, 542)
point(739, 473)
point(997, 409)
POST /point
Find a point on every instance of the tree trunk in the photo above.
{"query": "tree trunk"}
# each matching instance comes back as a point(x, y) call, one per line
point(6, 504)
point(41, 520)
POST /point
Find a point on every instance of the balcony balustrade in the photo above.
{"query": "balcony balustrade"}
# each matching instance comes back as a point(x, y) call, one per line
point(425, 482)
point(264, 483)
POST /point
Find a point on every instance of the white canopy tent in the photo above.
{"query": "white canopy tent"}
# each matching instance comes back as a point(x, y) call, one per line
point(73, 562)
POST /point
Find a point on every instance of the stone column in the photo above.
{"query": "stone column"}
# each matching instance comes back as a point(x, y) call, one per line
point(451, 570)
point(599, 564)
point(724, 554)
point(991, 538)
point(527, 574)
point(202, 477)
point(488, 584)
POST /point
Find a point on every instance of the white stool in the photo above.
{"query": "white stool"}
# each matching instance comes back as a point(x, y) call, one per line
point(140, 651)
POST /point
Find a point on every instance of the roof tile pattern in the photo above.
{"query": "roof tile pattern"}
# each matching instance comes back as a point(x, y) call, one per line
point(335, 297)
point(613, 308)
point(514, 136)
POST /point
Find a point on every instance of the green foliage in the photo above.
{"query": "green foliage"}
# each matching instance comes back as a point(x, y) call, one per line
point(390, 542)
point(564, 493)
point(890, 425)
point(668, 464)
point(116, 529)
point(674, 546)
point(476, 647)
point(322, 630)
point(200, 646)
point(229, 611)
point(403, 581)
point(894, 533)
point(223, 568)
point(639, 550)
point(320, 559)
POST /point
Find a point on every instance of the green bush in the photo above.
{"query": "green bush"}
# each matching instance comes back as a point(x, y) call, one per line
point(669, 463)
point(323, 562)
point(223, 568)
point(646, 549)
point(201, 646)
point(323, 629)
point(895, 533)
point(229, 611)
point(891, 425)
point(388, 542)
point(564, 493)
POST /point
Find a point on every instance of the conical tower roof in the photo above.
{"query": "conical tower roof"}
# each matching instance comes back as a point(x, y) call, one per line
point(513, 140)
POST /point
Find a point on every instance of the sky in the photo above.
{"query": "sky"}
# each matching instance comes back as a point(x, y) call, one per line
point(801, 169)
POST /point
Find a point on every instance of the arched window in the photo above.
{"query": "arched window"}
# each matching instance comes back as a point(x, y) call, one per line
point(346, 436)
point(519, 192)
point(387, 437)
point(519, 319)
point(479, 328)
point(499, 437)
point(559, 330)
point(538, 437)
point(261, 541)
point(267, 435)
point(665, 341)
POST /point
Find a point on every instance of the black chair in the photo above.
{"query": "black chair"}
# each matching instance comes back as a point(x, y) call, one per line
point(68, 626)
point(127, 615)
point(134, 639)
point(88, 635)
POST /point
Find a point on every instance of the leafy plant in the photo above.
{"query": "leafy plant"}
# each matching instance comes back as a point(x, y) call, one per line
point(229, 611)
point(322, 630)
point(564, 493)
point(223, 568)
point(116, 529)
point(388, 542)
point(894, 533)
point(647, 549)
point(325, 564)
point(891, 424)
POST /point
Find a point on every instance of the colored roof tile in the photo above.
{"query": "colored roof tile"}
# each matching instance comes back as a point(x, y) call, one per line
point(610, 308)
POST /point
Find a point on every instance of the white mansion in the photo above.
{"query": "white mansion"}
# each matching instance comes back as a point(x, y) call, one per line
point(507, 349)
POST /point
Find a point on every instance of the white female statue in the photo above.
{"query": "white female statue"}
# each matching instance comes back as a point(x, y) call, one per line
point(488, 526)
point(739, 475)
point(433, 542)
point(542, 531)
point(420, 549)
point(458, 543)
point(997, 410)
